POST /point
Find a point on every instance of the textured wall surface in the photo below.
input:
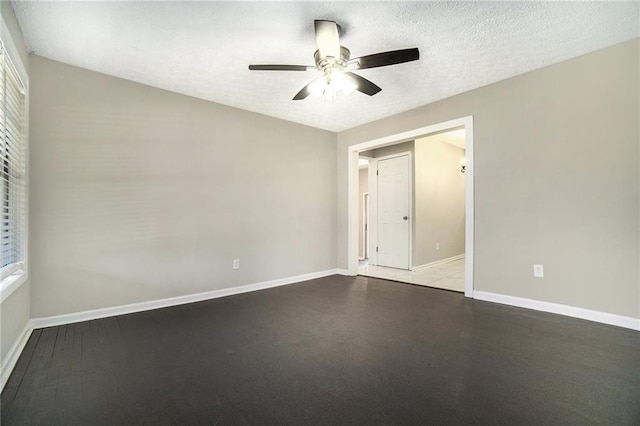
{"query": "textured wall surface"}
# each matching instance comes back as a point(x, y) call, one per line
point(556, 179)
point(140, 194)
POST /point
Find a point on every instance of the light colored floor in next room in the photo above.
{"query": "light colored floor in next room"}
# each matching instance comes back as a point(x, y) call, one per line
point(449, 276)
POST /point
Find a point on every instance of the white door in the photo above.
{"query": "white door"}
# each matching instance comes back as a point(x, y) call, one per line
point(393, 212)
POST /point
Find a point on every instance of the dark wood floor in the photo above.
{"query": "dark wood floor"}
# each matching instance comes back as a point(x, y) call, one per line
point(336, 350)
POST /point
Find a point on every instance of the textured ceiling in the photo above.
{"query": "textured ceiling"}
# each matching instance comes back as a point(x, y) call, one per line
point(203, 49)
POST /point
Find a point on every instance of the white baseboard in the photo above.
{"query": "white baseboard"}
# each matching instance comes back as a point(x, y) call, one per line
point(9, 362)
point(556, 308)
point(343, 272)
point(172, 301)
point(437, 262)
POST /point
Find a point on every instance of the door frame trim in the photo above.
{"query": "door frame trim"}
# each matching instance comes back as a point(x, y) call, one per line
point(352, 189)
point(365, 221)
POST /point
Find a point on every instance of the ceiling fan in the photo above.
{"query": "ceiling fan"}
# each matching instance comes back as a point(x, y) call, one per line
point(335, 63)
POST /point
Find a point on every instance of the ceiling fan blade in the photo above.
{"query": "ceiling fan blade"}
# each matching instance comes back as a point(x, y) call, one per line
point(281, 68)
point(385, 58)
point(328, 38)
point(363, 85)
point(306, 90)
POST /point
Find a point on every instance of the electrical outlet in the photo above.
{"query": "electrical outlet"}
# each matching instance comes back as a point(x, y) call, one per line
point(437, 246)
point(538, 271)
point(236, 263)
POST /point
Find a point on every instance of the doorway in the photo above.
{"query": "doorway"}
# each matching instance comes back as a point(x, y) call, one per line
point(460, 266)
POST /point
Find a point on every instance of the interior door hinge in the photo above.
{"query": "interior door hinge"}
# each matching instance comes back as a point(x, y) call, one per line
point(377, 172)
point(376, 249)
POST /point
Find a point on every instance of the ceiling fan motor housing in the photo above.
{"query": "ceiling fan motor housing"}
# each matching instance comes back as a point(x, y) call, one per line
point(328, 64)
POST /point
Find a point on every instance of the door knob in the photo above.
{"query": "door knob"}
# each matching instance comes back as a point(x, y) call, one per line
point(405, 217)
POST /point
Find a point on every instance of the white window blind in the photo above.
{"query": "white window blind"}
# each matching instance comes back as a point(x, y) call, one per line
point(12, 167)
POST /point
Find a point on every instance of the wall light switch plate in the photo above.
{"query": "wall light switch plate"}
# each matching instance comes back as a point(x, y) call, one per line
point(538, 271)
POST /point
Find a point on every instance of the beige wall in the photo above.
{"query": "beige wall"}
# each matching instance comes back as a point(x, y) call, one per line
point(15, 309)
point(363, 181)
point(140, 194)
point(439, 201)
point(556, 179)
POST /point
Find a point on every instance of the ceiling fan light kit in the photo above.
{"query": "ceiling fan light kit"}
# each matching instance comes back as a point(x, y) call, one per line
point(335, 64)
point(332, 86)
point(333, 83)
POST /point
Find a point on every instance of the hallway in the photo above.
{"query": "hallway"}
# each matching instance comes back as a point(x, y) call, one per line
point(447, 276)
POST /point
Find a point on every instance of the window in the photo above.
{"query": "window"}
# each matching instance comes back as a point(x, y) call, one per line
point(12, 167)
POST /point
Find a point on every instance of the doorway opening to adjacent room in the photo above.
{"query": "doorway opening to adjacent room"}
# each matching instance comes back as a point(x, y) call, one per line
point(419, 226)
